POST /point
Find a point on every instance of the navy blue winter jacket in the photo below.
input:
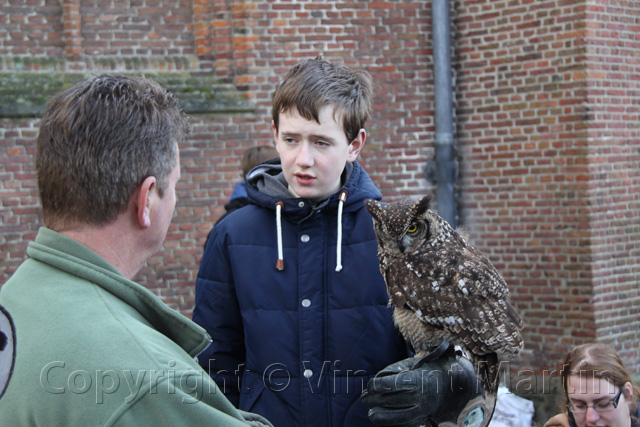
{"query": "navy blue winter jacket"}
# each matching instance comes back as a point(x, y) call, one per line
point(297, 345)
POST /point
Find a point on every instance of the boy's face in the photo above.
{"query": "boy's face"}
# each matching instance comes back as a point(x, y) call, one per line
point(313, 155)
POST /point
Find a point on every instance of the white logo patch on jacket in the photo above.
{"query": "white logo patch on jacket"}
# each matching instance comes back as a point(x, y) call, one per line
point(7, 349)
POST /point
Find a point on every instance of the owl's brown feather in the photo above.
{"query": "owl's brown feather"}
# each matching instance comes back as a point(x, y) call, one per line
point(442, 287)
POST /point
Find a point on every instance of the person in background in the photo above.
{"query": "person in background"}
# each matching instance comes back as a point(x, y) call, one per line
point(92, 347)
point(598, 390)
point(290, 287)
point(252, 157)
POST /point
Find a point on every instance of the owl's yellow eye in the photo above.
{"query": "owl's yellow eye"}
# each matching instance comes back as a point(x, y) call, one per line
point(412, 228)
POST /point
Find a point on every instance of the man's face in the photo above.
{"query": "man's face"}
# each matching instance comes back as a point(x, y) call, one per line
point(167, 204)
point(313, 155)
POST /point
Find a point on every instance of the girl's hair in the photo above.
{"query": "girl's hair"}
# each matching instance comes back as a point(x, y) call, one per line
point(596, 360)
point(255, 155)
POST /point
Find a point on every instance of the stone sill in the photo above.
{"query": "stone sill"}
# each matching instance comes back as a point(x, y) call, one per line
point(25, 94)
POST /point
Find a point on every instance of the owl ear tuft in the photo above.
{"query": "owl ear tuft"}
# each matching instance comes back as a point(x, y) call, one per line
point(373, 207)
point(422, 205)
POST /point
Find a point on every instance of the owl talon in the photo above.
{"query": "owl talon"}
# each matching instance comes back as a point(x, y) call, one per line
point(434, 354)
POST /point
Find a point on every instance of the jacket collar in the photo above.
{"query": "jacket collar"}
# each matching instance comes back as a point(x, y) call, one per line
point(268, 188)
point(68, 255)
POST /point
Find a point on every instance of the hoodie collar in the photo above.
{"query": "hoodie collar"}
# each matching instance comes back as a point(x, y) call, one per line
point(268, 179)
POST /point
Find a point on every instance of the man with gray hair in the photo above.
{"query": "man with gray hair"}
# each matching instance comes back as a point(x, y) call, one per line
point(91, 347)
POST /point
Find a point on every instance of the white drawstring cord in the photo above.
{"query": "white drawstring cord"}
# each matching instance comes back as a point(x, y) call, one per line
point(280, 262)
point(341, 198)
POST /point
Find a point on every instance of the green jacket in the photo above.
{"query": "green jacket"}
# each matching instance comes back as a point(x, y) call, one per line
point(94, 348)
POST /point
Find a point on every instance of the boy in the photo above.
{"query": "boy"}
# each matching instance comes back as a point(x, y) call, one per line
point(289, 286)
point(298, 340)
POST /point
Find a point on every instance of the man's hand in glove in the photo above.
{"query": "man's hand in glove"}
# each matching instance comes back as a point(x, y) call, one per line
point(439, 389)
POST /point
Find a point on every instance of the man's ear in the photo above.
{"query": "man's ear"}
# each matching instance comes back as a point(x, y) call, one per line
point(147, 189)
point(356, 145)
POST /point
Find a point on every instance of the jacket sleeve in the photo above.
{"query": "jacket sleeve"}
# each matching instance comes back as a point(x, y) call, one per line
point(217, 310)
point(184, 401)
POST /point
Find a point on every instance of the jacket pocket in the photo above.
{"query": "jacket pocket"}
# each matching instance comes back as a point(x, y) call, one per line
point(252, 389)
point(356, 414)
point(274, 401)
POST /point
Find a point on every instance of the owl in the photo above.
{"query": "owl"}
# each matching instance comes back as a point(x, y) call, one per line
point(443, 288)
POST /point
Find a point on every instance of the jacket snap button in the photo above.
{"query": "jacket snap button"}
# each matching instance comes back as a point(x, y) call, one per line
point(308, 373)
point(301, 204)
point(306, 303)
point(304, 238)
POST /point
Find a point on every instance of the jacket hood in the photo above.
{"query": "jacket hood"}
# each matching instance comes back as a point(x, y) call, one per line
point(268, 188)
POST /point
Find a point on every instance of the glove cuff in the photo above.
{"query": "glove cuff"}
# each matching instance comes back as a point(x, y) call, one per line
point(477, 413)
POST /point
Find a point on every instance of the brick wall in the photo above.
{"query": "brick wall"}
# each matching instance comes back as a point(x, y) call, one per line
point(523, 130)
point(613, 91)
point(546, 125)
point(249, 44)
point(547, 121)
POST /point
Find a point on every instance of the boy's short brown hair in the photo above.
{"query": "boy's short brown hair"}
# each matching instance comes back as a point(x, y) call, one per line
point(315, 83)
